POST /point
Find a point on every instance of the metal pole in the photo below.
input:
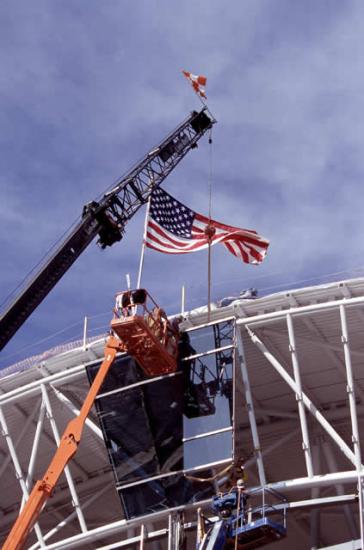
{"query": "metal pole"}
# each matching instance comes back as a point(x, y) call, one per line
point(17, 468)
point(65, 521)
point(315, 493)
point(353, 415)
point(142, 536)
point(23, 431)
point(183, 300)
point(84, 333)
point(250, 407)
point(141, 262)
point(306, 400)
point(63, 399)
point(312, 308)
point(67, 471)
point(33, 453)
point(38, 431)
point(128, 283)
point(301, 408)
point(170, 532)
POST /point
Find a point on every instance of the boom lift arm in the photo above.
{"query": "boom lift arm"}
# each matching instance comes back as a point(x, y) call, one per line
point(147, 337)
point(68, 446)
point(106, 218)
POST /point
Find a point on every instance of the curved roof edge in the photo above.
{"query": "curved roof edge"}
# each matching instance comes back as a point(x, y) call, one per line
point(72, 353)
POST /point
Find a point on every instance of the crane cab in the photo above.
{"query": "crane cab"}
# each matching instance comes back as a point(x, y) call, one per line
point(146, 332)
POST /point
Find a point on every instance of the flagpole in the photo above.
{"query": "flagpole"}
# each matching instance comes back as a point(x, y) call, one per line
point(141, 263)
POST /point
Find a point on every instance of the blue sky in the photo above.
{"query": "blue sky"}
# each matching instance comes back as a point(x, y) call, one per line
point(86, 88)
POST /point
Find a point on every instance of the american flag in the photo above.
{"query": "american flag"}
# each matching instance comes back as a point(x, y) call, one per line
point(175, 229)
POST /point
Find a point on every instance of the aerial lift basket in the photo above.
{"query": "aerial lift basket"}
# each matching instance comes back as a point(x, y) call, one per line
point(146, 332)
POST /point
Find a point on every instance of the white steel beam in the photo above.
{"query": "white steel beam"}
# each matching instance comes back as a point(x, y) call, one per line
point(301, 407)
point(35, 446)
point(35, 386)
point(121, 526)
point(315, 493)
point(19, 438)
point(70, 517)
point(67, 471)
point(17, 468)
point(306, 400)
point(250, 407)
point(265, 318)
point(137, 384)
point(206, 434)
point(353, 414)
point(66, 401)
point(302, 483)
point(62, 493)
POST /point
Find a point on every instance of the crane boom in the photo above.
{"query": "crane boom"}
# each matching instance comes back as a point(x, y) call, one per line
point(106, 218)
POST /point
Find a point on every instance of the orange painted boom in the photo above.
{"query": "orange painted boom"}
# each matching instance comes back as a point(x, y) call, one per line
point(66, 450)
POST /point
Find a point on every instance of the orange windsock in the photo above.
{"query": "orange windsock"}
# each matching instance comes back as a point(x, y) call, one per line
point(198, 82)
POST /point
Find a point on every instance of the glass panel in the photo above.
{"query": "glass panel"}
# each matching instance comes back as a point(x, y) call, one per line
point(142, 429)
point(209, 393)
point(207, 450)
point(143, 426)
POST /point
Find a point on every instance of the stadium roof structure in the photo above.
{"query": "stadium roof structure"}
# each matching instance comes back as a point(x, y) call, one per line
point(297, 424)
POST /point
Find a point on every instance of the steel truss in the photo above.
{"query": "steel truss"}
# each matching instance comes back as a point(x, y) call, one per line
point(83, 489)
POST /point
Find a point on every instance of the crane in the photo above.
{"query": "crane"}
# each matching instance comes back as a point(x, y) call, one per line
point(106, 218)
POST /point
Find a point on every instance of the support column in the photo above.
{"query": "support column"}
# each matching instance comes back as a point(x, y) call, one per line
point(17, 468)
point(250, 407)
point(353, 414)
point(23, 431)
point(71, 485)
point(301, 408)
point(33, 453)
point(142, 537)
point(66, 401)
point(306, 400)
point(315, 493)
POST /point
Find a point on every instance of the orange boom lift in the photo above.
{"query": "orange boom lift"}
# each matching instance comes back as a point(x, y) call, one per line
point(140, 328)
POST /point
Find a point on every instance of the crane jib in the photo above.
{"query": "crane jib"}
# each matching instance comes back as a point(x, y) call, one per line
point(107, 218)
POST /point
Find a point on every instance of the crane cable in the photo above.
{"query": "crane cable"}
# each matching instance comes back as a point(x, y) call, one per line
point(211, 478)
point(210, 230)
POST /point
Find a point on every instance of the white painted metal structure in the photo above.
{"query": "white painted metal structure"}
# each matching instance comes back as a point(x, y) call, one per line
point(299, 406)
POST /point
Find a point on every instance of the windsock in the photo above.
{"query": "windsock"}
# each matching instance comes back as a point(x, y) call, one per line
point(198, 83)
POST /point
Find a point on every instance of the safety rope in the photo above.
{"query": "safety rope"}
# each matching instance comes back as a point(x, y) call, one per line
point(212, 478)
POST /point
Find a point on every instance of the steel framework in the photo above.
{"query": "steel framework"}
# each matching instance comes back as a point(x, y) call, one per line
point(298, 412)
